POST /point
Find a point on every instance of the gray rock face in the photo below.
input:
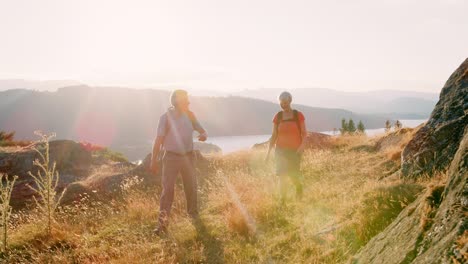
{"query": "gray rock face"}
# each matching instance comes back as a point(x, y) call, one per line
point(450, 222)
point(435, 144)
point(434, 228)
point(428, 230)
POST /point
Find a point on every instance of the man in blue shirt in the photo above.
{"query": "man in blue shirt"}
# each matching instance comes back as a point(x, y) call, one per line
point(175, 139)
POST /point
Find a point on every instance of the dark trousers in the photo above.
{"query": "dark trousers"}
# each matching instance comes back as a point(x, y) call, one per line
point(174, 164)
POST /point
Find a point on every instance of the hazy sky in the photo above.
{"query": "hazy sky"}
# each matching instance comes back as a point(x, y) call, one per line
point(231, 45)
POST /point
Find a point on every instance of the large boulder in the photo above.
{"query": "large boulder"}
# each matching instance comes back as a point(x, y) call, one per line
point(70, 158)
point(435, 144)
point(73, 163)
point(434, 228)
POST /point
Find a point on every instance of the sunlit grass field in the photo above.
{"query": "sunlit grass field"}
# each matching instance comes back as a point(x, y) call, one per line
point(351, 193)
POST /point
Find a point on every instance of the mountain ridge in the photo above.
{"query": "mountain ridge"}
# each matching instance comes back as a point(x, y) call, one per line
point(117, 117)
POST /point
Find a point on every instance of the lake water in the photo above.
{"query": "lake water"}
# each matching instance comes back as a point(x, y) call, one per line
point(236, 143)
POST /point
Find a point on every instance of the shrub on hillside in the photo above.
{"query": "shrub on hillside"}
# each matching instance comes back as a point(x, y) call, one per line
point(7, 140)
point(46, 181)
point(6, 187)
point(103, 152)
point(111, 155)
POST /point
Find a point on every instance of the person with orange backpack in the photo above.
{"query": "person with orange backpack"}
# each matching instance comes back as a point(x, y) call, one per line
point(289, 139)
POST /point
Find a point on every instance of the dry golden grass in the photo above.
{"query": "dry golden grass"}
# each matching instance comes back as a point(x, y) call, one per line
point(345, 203)
point(462, 246)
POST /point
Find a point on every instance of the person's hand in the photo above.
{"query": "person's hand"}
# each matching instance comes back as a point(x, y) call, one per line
point(154, 167)
point(202, 137)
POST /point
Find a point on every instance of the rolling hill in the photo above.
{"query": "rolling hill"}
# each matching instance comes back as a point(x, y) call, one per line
point(394, 103)
point(119, 117)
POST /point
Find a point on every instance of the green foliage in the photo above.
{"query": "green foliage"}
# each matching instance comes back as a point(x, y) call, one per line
point(4, 136)
point(360, 127)
point(7, 140)
point(398, 125)
point(348, 127)
point(6, 187)
point(46, 181)
point(344, 126)
point(388, 126)
point(111, 155)
point(351, 126)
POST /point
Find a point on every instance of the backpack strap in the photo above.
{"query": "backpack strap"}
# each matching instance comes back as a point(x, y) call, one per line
point(279, 119)
point(296, 118)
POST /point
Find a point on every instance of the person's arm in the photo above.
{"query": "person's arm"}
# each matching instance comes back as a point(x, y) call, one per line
point(304, 137)
point(154, 157)
point(158, 141)
point(272, 142)
point(198, 127)
point(202, 134)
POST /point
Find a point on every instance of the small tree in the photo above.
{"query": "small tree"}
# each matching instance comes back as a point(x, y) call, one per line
point(361, 129)
point(398, 125)
point(46, 181)
point(388, 126)
point(4, 136)
point(6, 187)
point(351, 126)
point(344, 126)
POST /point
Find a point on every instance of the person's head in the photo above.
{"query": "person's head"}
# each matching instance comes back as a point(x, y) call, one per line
point(285, 99)
point(180, 100)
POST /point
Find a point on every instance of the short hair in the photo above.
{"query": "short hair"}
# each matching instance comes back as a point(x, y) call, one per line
point(285, 96)
point(175, 94)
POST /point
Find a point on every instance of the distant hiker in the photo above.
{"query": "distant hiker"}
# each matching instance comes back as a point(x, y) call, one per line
point(173, 147)
point(289, 136)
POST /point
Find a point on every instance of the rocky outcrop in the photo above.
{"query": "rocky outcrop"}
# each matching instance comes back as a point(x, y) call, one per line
point(107, 186)
point(434, 228)
point(72, 161)
point(81, 171)
point(435, 144)
point(446, 236)
point(70, 158)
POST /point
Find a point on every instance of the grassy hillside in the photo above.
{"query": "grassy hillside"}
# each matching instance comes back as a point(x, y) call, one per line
point(349, 197)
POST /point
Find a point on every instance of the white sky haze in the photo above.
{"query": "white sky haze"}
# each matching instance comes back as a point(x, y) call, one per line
point(352, 45)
